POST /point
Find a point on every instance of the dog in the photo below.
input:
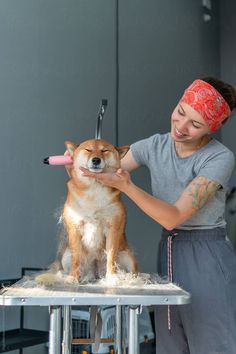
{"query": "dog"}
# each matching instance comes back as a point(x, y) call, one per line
point(94, 216)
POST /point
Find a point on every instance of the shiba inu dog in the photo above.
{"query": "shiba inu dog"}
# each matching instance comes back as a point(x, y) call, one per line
point(94, 216)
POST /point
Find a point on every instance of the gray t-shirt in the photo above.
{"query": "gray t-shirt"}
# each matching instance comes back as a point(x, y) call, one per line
point(171, 174)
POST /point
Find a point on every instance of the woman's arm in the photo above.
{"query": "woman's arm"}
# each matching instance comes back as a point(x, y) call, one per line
point(128, 162)
point(194, 197)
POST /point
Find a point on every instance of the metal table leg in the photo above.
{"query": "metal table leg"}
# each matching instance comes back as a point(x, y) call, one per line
point(119, 329)
point(123, 329)
point(133, 330)
point(55, 330)
point(67, 330)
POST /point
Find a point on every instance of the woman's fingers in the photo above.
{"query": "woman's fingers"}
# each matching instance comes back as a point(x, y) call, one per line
point(99, 176)
point(88, 173)
point(119, 180)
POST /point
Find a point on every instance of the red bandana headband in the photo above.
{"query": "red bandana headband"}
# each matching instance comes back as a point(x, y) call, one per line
point(208, 102)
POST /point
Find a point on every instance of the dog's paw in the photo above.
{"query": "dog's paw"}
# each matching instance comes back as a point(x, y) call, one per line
point(111, 279)
point(74, 276)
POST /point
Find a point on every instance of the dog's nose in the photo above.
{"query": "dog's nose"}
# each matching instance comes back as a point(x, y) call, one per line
point(96, 161)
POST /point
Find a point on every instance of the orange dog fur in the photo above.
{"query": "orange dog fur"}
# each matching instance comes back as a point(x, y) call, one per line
point(94, 215)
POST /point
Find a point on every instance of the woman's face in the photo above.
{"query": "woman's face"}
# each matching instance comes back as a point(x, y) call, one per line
point(187, 124)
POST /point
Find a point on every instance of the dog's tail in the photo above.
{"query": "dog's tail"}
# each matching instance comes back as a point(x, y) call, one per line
point(47, 278)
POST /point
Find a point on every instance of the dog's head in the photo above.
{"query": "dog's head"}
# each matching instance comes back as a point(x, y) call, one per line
point(97, 155)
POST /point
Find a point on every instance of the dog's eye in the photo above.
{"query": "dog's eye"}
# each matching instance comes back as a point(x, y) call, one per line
point(105, 150)
point(88, 150)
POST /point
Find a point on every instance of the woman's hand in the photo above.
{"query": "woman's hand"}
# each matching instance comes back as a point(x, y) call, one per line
point(119, 179)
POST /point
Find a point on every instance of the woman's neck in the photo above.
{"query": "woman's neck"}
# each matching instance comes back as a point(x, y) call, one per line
point(187, 148)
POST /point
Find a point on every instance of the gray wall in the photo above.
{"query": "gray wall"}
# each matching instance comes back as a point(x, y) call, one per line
point(57, 62)
point(228, 73)
point(228, 66)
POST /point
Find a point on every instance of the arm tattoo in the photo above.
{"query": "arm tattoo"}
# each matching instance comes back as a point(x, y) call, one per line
point(201, 190)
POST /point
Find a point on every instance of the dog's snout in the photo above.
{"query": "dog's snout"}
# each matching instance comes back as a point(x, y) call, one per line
point(96, 161)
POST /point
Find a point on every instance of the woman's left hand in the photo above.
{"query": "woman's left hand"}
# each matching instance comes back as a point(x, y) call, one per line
point(119, 179)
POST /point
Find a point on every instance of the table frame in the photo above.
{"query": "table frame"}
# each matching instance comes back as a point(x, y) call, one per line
point(61, 298)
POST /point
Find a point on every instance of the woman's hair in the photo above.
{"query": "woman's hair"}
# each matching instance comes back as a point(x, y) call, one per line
point(226, 90)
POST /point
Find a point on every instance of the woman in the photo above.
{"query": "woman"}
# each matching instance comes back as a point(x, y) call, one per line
point(189, 174)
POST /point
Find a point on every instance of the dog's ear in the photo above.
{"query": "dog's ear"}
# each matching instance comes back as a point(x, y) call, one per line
point(122, 150)
point(70, 147)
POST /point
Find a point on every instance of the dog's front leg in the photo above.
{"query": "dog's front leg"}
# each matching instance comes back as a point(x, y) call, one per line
point(74, 238)
point(112, 252)
point(113, 239)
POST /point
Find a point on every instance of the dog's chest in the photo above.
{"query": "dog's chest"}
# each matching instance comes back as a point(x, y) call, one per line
point(93, 235)
point(95, 203)
point(92, 214)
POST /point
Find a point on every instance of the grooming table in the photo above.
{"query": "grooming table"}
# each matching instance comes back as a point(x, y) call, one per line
point(60, 297)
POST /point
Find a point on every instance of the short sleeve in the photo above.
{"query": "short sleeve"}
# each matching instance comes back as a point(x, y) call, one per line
point(219, 167)
point(141, 150)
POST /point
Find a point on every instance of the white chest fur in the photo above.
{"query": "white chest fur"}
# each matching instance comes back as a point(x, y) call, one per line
point(92, 213)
